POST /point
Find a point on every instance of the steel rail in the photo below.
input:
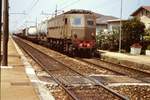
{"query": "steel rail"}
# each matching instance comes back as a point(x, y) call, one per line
point(56, 80)
point(118, 66)
point(92, 79)
point(134, 69)
point(99, 66)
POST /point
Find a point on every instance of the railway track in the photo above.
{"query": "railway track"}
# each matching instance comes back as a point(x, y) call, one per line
point(99, 66)
point(120, 69)
point(76, 85)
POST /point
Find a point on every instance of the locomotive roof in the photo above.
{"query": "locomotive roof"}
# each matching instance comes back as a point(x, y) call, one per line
point(73, 11)
point(78, 11)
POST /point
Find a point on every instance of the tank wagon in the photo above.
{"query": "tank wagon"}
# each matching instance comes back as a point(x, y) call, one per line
point(32, 31)
point(21, 33)
point(42, 30)
point(72, 32)
point(32, 34)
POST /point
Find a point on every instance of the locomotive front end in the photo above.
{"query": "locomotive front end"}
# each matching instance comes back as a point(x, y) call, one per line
point(83, 31)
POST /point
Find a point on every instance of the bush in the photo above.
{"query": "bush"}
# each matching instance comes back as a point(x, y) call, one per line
point(132, 31)
point(147, 32)
point(148, 47)
point(146, 38)
point(108, 41)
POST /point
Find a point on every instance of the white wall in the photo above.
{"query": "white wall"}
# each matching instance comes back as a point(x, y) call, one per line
point(100, 28)
point(146, 21)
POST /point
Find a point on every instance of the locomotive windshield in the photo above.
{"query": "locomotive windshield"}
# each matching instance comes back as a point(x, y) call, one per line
point(77, 21)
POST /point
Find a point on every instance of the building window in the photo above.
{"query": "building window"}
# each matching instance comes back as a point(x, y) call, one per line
point(90, 22)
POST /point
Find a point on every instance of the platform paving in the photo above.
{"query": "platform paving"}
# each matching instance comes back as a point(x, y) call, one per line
point(15, 84)
point(141, 62)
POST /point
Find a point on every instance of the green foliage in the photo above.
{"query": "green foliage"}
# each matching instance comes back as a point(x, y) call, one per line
point(148, 47)
point(108, 41)
point(146, 38)
point(132, 31)
point(147, 32)
point(147, 35)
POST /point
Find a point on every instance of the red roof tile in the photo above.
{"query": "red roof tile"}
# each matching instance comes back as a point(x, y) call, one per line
point(146, 7)
point(142, 7)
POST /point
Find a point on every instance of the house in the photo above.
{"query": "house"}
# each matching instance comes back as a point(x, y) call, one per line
point(102, 22)
point(114, 24)
point(144, 14)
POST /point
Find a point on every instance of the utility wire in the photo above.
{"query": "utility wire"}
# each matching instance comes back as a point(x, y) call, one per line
point(34, 3)
point(139, 3)
point(70, 4)
point(30, 6)
point(110, 5)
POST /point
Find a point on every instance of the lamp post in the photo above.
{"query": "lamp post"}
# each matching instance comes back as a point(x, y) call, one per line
point(120, 28)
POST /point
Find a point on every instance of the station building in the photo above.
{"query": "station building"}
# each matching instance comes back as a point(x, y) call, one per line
point(144, 14)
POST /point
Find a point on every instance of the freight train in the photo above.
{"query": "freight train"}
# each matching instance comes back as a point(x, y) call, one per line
point(73, 32)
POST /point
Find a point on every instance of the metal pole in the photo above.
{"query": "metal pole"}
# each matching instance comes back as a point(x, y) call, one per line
point(5, 34)
point(120, 28)
point(56, 11)
point(0, 27)
point(36, 27)
point(36, 23)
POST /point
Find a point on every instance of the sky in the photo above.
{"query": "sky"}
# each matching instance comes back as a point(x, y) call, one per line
point(29, 12)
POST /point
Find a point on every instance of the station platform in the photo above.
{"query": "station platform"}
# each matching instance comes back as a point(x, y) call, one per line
point(140, 62)
point(15, 84)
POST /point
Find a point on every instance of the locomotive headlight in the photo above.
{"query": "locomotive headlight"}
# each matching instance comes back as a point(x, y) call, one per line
point(80, 45)
point(88, 45)
point(92, 34)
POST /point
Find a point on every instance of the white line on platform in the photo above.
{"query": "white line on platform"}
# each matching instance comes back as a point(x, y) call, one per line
point(128, 84)
point(42, 91)
point(103, 75)
point(6, 67)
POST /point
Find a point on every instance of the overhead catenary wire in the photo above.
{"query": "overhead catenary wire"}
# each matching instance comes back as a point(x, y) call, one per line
point(33, 4)
point(61, 9)
point(56, 11)
point(70, 4)
point(139, 3)
point(107, 5)
point(36, 2)
point(17, 13)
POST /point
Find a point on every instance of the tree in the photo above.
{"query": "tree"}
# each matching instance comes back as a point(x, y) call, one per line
point(146, 37)
point(147, 32)
point(132, 31)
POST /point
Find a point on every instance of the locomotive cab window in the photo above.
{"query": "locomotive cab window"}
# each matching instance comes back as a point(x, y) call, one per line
point(77, 21)
point(90, 22)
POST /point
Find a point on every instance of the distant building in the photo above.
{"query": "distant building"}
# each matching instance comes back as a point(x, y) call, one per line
point(114, 24)
point(144, 14)
point(102, 22)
